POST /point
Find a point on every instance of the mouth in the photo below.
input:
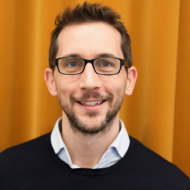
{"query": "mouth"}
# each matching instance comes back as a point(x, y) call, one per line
point(92, 103)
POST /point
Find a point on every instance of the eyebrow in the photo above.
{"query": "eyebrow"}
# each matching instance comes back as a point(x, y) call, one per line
point(72, 55)
point(106, 55)
point(99, 55)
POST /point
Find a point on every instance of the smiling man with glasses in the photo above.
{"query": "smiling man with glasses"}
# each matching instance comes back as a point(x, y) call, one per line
point(90, 70)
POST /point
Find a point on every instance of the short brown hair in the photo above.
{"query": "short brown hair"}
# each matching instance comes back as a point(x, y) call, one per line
point(88, 12)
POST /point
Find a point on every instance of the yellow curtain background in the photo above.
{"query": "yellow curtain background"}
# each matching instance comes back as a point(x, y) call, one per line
point(158, 112)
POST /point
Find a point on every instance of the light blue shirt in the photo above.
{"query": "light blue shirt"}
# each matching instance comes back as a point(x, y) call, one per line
point(114, 153)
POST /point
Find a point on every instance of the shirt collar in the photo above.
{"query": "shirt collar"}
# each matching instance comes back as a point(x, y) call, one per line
point(56, 139)
point(121, 143)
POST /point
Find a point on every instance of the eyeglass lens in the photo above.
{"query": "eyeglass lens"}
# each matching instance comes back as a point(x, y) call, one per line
point(101, 65)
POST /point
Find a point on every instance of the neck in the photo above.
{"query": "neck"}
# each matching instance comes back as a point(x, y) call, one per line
point(86, 150)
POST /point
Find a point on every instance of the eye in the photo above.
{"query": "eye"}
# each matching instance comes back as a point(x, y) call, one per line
point(72, 64)
point(106, 64)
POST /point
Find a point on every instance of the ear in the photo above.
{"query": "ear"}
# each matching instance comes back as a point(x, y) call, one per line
point(131, 80)
point(49, 79)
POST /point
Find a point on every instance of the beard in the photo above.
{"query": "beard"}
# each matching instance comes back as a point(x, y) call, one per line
point(91, 126)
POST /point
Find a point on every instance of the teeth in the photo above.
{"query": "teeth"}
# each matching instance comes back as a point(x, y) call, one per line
point(91, 103)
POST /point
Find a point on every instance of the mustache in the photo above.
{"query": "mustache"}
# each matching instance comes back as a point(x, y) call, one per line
point(88, 95)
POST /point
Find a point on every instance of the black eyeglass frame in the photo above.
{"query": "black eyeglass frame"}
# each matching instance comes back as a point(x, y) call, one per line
point(122, 62)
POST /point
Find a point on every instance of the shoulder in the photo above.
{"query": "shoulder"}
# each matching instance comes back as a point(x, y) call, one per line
point(23, 155)
point(32, 145)
point(149, 159)
point(153, 168)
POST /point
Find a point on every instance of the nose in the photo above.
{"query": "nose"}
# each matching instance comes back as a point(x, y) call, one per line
point(89, 79)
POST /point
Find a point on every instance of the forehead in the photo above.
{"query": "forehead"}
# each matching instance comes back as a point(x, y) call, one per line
point(88, 40)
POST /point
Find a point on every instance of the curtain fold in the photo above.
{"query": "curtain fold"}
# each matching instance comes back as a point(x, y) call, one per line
point(157, 113)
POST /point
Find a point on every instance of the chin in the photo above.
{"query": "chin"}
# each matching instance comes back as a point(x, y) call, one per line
point(90, 125)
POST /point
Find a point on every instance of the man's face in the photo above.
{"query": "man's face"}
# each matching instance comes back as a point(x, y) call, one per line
point(90, 101)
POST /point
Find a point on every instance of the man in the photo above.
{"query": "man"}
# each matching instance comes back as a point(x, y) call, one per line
point(89, 148)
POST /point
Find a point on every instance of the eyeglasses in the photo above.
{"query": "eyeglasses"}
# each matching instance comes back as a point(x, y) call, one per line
point(102, 65)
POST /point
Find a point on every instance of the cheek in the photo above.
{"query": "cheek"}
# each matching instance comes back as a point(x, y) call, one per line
point(66, 85)
point(115, 84)
point(119, 90)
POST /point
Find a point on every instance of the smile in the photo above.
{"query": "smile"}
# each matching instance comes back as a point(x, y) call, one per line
point(93, 103)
